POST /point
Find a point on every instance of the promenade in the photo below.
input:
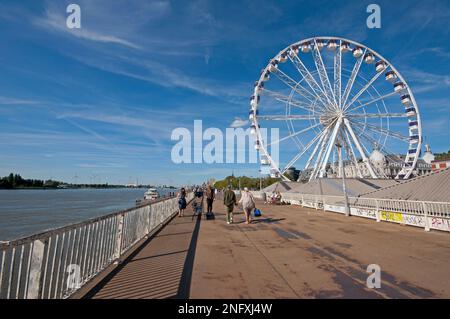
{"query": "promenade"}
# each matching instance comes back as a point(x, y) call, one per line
point(289, 252)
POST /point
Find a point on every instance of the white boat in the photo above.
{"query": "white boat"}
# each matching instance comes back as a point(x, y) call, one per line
point(151, 194)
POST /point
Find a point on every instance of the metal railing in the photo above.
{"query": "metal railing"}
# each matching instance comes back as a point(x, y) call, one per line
point(56, 263)
point(426, 214)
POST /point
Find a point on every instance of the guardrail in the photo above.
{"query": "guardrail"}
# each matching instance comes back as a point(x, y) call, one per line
point(56, 263)
point(425, 214)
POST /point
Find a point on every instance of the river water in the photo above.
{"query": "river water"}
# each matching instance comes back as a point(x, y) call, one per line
point(26, 212)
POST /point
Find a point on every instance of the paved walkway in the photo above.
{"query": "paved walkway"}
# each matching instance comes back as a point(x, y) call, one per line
point(289, 252)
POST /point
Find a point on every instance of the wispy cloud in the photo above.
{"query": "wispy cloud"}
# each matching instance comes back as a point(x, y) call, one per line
point(16, 101)
point(238, 122)
point(57, 23)
point(163, 75)
point(426, 81)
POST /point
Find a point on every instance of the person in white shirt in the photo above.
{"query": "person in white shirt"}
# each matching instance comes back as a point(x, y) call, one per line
point(248, 204)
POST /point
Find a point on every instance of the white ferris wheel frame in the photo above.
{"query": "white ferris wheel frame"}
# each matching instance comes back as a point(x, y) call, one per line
point(336, 88)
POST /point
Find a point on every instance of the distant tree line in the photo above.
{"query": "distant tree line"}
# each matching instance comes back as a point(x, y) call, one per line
point(13, 181)
point(16, 181)
point(442, 156)
point(244, 181)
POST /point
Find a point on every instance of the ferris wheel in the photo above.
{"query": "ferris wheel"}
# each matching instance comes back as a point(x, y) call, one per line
point(324, 94)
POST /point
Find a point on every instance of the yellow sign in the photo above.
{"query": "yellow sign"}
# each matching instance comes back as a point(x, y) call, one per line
point(391, 216)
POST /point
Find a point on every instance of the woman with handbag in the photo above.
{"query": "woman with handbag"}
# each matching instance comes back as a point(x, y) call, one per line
point(248, 204)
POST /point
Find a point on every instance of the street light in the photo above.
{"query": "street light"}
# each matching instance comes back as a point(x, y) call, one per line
point(342, 173)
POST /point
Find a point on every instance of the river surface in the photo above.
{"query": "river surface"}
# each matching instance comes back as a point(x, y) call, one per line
point(26, 212)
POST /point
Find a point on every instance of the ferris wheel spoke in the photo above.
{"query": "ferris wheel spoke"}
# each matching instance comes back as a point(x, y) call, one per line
point(376, 115)
point(286, 117)
point(338, 74)
point(294, 134)
point(359, 148)
point(296, 86)
point(312, 83)
point(352, 79)
point(323, 75)
point(365, 87)
point(299, 155)
point(379, 129)
point(286, 99)
point(372, 101)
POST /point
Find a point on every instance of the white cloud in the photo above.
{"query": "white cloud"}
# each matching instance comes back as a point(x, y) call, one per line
point(426, 81)
point(16, 101)
point(238, 122)
point(57, 22)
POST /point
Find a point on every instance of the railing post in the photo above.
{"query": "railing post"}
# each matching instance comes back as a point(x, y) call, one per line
point(147, 222)
point(425, 214)
point(34, 277)
point(377, 211)
point(118, 246)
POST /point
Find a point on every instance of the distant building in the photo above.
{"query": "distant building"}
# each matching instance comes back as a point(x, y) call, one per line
point(428, 157)
point(442, 162)
point(385, 166)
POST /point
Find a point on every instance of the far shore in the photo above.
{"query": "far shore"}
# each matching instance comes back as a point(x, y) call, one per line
point(72, 188)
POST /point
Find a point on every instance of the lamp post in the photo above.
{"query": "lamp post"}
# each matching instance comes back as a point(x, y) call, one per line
point(342, 173)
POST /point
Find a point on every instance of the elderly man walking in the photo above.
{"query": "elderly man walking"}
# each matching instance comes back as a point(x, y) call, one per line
point(229, 200)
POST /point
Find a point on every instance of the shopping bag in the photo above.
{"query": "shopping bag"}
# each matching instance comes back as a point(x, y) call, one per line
point(257, 212)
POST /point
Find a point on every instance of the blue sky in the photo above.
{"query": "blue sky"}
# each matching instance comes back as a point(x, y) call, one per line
point(100, 103)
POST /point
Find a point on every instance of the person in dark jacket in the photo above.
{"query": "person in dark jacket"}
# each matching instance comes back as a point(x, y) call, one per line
point(229, 200)
point(210, 193)
point(182, 203)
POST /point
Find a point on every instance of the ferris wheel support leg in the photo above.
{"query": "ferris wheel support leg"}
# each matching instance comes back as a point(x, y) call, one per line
point(330, 147)
point(361, 151)
point(351, 153)
point(316, 148)
point(320, 155)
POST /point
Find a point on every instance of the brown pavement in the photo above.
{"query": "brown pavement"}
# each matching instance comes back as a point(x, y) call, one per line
point(295, 252)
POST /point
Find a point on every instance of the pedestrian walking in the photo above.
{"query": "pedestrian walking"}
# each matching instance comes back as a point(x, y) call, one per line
point(181, 196)
point(210, 195)
point(229, 200)
point(248, 204)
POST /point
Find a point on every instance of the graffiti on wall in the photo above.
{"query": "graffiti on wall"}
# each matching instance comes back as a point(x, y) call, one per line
point(391, 216)
point(439, 223)
point(368, 213)
point(414, 220)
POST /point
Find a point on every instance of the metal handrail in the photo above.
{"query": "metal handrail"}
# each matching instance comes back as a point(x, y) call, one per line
point(58, 262)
